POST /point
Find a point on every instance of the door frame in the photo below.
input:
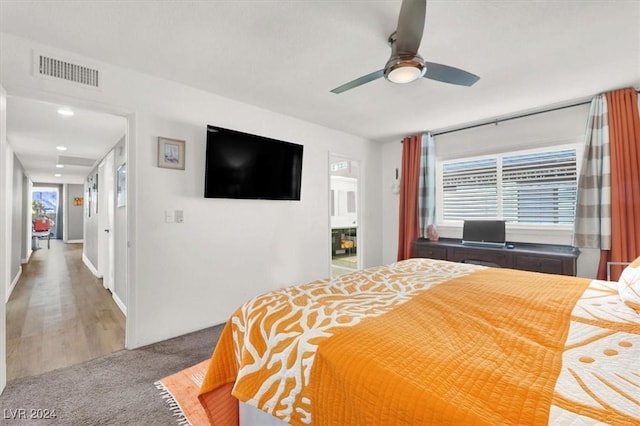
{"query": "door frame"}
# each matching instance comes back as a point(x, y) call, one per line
point(359, 233)
point(6, 200)
point(6, 206)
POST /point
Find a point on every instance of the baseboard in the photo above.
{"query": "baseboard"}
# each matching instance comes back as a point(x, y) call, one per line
point(120, 304)
point(74, 241)
point(26, 259)
point(13, 284)
point(89, 265)
point(166, 336)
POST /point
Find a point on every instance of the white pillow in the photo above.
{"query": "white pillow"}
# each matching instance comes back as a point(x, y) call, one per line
point(629, 285)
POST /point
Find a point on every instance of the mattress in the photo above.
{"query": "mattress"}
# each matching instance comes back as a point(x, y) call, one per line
point(431, 342)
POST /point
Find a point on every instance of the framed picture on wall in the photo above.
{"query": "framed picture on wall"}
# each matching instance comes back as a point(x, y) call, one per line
point(121, 185)
point(171, 153)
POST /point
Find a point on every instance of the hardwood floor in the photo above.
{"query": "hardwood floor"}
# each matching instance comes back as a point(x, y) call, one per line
point(59, 314)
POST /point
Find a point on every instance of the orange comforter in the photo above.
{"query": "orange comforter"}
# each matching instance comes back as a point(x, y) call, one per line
point(417, 342)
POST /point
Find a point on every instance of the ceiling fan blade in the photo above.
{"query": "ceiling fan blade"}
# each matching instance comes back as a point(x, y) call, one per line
point(448, 74)
point(410, 26)
point(359, 81)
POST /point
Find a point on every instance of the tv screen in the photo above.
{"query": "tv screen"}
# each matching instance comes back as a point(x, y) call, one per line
point(240, 165)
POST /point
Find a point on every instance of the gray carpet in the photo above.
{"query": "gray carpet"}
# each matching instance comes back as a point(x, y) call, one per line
point(117, 389)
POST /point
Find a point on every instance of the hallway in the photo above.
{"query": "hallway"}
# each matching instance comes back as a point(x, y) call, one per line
point(59, 314)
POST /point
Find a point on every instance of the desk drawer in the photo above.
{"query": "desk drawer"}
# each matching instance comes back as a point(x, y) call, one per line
point(549, 265)
point(430, 252)
point(485, 257)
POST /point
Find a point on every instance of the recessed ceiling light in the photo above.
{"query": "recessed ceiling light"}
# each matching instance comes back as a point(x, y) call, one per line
point(65, 111)
point(59, 166)
point(61, 148)
point(58, 174)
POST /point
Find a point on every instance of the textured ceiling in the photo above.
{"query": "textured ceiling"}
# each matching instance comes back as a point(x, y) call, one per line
point(286, 56)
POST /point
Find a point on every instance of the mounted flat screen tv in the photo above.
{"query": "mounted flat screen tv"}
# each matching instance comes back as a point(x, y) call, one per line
point(241, 165)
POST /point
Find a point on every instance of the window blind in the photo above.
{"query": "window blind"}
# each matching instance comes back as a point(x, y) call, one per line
point(532, 187)
point(539, 187)
point(470, 189)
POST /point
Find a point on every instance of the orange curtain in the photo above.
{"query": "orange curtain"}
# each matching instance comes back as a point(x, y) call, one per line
point(409, 180)
point(624, 140)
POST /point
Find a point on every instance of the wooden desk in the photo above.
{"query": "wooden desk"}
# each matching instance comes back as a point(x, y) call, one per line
point(549, 258)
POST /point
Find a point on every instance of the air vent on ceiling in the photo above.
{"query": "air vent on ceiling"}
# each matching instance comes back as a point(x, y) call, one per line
point(76, 161)
point(48, 66)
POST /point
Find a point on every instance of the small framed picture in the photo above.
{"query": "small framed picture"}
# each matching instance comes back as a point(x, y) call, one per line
point(170, 153)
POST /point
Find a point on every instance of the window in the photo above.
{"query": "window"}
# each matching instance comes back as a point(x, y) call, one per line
point(470, 189)
point(522, 187)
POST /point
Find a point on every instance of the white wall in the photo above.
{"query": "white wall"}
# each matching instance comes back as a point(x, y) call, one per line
point(17, 222)
point(120, 237)
point(27, 224)
point(74, 214)
point(90, 223)
point(391, 160)
point(94, 222)
point(561, 127)
point(191, 275)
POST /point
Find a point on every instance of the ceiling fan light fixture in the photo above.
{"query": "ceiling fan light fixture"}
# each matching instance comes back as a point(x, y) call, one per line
point(403, 70)
point(405, 64)
point(404, 74)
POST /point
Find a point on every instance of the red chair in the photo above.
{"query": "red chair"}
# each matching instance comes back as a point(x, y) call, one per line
point(42, 230)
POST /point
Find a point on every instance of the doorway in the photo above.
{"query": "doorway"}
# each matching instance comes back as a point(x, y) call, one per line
point(89, 323)
point(44, 204)
point(344, 174)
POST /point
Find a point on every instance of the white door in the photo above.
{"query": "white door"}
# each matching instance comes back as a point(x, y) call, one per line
point(106, 206)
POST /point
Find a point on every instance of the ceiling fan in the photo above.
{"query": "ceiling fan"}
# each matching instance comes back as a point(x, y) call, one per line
point(405, 64)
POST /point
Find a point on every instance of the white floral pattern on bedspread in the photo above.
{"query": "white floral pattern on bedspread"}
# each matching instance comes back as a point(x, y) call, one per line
point(313, 311)
point(601, 362)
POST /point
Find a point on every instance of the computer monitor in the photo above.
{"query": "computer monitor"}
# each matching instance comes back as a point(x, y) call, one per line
point(484, 233)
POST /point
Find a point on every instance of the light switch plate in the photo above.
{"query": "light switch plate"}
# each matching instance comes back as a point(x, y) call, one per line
point(179, 216)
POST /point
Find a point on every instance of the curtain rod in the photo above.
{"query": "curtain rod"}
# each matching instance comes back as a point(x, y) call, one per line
point(499, 120)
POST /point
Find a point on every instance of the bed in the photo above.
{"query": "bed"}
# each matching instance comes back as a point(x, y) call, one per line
point(425, 341)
